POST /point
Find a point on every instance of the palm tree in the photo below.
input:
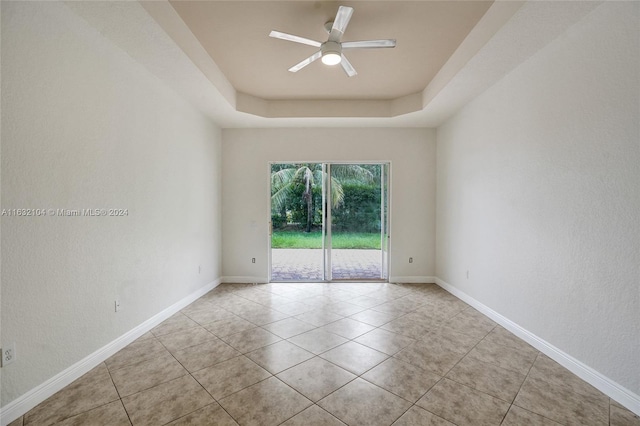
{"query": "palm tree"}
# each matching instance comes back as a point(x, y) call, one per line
point(309, 175)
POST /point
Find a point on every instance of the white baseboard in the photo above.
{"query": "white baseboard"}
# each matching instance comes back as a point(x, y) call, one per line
point(35, 396)
point(607, 386)
point(412, 280)
point(265, 280)
point(244, 280)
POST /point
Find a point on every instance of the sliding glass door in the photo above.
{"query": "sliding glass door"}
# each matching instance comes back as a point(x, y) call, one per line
point(329, 221)
point(357, 221)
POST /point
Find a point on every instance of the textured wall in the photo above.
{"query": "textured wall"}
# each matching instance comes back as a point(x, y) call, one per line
point(539, 194)
point(84, 126)
point(246, 208)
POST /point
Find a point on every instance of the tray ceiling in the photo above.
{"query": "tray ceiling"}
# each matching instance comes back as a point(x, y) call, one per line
point(235, 35)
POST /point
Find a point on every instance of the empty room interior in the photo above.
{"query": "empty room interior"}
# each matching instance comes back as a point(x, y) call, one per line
point(139, 284)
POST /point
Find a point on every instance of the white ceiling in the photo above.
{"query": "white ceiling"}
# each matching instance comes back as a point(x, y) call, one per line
point(153, 34)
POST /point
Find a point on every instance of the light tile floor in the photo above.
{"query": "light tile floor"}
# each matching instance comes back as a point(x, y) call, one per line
point(329, 354)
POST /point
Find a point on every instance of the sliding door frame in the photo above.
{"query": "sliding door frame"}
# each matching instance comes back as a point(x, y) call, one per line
point(385, 222)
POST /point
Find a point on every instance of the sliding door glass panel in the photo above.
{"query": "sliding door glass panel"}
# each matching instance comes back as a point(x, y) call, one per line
point(297, 251)
point(357, 221)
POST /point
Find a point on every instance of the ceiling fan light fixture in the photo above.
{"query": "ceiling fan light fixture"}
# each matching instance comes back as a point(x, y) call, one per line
point(331, 59)
point(331, 53)
point(331, 50)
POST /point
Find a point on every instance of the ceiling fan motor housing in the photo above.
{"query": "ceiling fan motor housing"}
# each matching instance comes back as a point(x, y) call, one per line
point(331, 52)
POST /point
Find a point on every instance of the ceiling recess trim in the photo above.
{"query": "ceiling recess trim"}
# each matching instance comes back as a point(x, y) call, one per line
point(328, 108)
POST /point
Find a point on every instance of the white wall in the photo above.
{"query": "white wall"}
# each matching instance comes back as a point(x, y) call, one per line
point(84, 126)
point(539, 194)
point(245, 196)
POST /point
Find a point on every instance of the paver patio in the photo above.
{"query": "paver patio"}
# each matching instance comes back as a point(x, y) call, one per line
point(307, 265)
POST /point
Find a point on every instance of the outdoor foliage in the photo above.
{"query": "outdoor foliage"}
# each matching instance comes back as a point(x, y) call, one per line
point(360, 210)
point(296, 195)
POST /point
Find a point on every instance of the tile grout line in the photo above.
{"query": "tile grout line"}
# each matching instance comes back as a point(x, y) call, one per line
point(118, 392)
point(447, 372)
point(478, 390)
point(318, 356)
point(391, 356)
point(520, 389)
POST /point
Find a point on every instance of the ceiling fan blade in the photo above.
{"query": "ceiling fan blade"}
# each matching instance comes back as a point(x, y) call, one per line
point(347, 67)
point(294, 38)
point(368, 44)
point(297, 67)
point(340, 23)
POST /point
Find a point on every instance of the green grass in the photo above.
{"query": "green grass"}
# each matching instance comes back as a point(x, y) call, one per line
point(313, 240)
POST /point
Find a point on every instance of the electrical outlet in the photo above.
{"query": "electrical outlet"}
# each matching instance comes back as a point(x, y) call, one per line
point(467, 274)
point(8, 354)
point(411, 260)
point(117, 306)
point(199, 269)
point(253, 260)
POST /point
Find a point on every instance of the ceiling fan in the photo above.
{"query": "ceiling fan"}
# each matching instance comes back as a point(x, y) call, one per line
point(331, 51)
